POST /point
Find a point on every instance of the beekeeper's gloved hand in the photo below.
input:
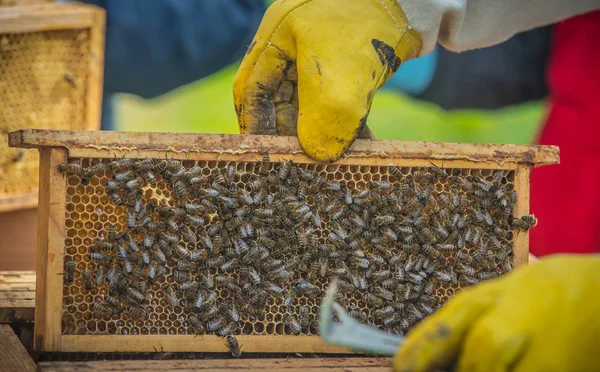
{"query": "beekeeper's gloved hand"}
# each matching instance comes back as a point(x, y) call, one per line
point(314, 66)
point(542, 317)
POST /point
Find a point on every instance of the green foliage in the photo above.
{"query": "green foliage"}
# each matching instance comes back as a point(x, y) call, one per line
point(207, 106)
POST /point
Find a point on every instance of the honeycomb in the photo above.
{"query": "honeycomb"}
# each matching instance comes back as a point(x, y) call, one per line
point(43, 85)
point(400, 240)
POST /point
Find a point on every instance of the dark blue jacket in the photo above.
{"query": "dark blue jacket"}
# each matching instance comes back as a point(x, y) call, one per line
point(506, 74)
point(155, 46)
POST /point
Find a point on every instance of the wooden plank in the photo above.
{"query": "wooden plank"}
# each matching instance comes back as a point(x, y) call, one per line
point(13, 356)
point(288, 364)
point(17, 310)
point(45, 17)
point(19, 201)
point(191, 343)
point(17, 296)
point(50, 255)
point(521, 238)
point(96, 71)
point(240, 144)
point(13, 297)
point(10, 277)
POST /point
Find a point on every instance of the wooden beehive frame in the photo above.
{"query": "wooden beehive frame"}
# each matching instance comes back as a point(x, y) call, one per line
point(53, 17)
point(57, 146)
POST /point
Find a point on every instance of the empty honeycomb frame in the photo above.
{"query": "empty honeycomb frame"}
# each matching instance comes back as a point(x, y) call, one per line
point(57, 205)
point(51, 74)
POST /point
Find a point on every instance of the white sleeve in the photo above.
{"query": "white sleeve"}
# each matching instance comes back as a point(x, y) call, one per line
point(461, 25)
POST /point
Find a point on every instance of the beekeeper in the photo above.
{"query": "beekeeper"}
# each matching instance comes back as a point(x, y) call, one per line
point(312, 71)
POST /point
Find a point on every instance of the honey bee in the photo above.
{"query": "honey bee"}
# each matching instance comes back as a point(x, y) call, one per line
point(467, 270)
point(447, 277)
point(69, 169)
point(389, 233)
point(530, 220)
point(284, 170)
point(215, 324)
point(360, 262)
point(171, 297)
point(468, 280)
point(464, 257)
point(373, 299)
point(188, 235)
point(234, 346)
point(447, 247)
point(233, 263)
point(382, 275)
point(135, 295)
point(384, 220)
point(291, 322)
point(191, 173)
point(100, 275)
point(181, 190)
point(101, 310)
point(396, 172)
point(304, 287)
point(195, 323)
point(99, 257)
point(395, 258)
point(70, 271)
point(486, 275)
point(384, 293)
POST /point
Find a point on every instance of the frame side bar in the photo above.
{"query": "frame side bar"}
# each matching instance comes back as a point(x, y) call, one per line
point(521, 239)
point(50, 251)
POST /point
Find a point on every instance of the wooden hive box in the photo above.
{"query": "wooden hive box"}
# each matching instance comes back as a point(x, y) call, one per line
point(51, 68)
point(76, 216)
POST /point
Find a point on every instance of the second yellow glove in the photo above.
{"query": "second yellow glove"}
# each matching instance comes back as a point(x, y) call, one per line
point(314, 67)
point(542, 317)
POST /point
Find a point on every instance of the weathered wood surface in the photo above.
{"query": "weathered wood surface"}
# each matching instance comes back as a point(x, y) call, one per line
point(521, 238)
point(192, 343)
point(46, 17)
point(13, 356)
point(50, 251)
point(240, 144)
point(288, 364)
point(17, 296)
point(19, 201)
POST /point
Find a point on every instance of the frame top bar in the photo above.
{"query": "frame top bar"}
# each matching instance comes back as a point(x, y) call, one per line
point(236, 143)
point(47, 17)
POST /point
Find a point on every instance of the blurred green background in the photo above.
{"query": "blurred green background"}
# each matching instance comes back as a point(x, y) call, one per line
point(207, 106)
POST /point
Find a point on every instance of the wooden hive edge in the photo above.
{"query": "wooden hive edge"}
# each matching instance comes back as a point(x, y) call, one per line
point(47, 17)
point(328, 364)
point(13, 202)
point(192, 343)
point(241, 144)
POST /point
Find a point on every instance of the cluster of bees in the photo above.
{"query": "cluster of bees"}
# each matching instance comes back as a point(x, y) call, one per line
point(227, 242)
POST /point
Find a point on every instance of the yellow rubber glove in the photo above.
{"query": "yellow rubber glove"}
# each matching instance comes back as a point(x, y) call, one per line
point(316, 64)
point(542, 317)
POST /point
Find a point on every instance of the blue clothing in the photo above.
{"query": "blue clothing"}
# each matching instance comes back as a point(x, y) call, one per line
point(506, 74)
point(415, 75)
point(155, 46)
